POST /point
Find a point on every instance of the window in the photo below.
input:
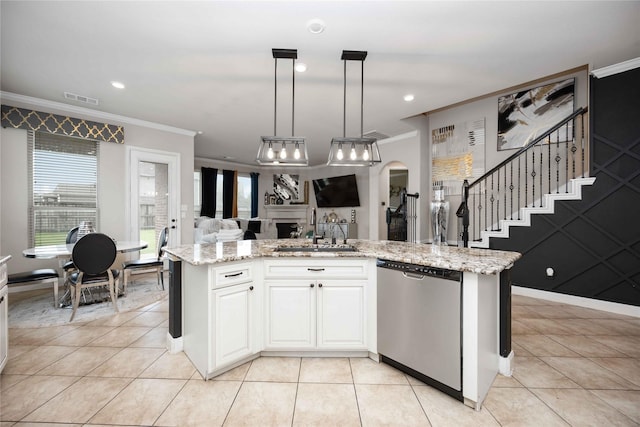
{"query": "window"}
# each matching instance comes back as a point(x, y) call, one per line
point(63, 176)
point(244, 194)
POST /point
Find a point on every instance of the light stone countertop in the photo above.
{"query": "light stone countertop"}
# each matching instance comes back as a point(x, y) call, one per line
point(473, 260)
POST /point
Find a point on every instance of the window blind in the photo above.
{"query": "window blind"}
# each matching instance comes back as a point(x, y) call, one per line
point(63, 176)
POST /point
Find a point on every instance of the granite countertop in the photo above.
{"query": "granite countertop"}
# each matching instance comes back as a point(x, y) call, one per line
point(481, 261)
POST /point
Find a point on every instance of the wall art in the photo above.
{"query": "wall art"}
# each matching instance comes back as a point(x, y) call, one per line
point(286, 187)
point(525, 115)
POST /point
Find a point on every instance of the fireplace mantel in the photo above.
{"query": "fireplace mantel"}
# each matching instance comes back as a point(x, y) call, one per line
point(287, 212)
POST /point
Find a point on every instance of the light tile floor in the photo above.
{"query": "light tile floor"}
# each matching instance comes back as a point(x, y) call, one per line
point(573, 366)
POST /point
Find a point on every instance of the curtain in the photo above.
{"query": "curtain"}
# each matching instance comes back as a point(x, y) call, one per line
point(209, 178)
point(234, 212)
point(254, 194)
point(228, 190)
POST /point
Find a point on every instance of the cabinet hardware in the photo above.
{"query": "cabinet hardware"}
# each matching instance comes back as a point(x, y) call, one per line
point(319, 285)
point(311, 285)
point(315, 269)
point(250, 288)
point(1, 299)
point(233, 275)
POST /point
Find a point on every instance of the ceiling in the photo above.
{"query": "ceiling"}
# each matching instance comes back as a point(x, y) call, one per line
point(207, 66)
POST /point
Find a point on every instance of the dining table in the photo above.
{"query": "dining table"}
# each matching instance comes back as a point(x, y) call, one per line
point(64, 250)
point(63, 253)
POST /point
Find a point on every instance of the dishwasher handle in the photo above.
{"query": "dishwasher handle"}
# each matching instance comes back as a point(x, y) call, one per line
point(413, 276)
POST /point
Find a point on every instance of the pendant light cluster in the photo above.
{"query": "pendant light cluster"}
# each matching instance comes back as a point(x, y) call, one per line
point(353, 151)
point(283, 150)
point(344, 151)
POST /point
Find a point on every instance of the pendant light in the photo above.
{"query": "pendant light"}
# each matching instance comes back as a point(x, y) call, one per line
point(283, 150)
point(353, 151)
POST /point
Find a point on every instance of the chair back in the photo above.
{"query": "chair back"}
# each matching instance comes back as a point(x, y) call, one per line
point(94, 253)
point(72, 235)
point(163, 239)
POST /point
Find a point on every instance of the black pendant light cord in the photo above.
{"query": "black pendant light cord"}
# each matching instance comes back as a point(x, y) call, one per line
point(293, 95)
point(275, 96)
point(362, 99)
point(344, 101)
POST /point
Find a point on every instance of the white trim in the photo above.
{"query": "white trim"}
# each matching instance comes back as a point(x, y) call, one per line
point(413, 133)
point(8, 96)
point(616, 68)
point(136, 154)
point(611, 307)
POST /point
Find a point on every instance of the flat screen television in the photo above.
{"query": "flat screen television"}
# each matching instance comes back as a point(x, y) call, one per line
point(336, 192)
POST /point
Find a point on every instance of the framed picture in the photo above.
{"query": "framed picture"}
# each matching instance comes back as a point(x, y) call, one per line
point(525, 115)
point(286, 187)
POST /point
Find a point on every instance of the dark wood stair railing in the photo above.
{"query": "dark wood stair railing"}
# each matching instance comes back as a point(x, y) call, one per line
point(538, 171)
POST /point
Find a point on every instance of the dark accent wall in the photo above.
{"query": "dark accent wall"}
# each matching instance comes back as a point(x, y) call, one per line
point(593, 244)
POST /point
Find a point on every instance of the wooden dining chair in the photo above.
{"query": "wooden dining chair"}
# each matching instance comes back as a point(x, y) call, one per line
point(156, 264)
point(93, 255)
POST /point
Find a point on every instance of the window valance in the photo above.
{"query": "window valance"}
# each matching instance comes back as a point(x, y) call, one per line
point(22, 118)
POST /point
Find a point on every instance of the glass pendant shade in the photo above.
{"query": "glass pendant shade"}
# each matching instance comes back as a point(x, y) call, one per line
point(353, 152)
point(283, 150)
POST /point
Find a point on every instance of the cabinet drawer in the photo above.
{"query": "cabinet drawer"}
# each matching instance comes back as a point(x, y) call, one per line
point(231, 274)
point(316, 268)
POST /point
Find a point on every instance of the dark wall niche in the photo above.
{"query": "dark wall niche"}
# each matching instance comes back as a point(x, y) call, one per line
point(593, 244)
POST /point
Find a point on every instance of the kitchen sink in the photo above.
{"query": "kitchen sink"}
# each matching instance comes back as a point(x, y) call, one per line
point(317, 248)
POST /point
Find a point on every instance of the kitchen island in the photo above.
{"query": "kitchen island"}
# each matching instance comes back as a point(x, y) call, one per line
point(234, 301)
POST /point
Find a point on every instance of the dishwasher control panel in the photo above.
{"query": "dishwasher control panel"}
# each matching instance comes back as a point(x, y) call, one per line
point(419, 269)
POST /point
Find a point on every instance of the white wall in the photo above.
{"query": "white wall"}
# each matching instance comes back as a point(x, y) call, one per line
point(111, 184)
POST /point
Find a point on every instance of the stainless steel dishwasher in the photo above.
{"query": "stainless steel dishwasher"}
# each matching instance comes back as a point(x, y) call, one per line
point(419, 323)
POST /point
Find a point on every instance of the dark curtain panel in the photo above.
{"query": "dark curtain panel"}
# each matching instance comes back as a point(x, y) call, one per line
point(209, 177)
point(228, 190)
point(254, 194)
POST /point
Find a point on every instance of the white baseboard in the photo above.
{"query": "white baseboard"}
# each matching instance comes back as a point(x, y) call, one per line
point(611, 307)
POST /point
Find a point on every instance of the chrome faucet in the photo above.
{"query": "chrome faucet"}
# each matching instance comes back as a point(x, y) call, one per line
point(344, 241)
point(314, 222)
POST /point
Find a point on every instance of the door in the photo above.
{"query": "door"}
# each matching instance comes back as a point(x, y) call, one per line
point(291, 314)
point(155, 199)
point(341, 314)
point(234, 307)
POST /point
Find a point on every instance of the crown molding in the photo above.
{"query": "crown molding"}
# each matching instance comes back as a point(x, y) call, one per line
point(8, 96)
point(616, 68)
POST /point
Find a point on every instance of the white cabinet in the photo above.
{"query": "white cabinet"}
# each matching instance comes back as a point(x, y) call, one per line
point(234, 309)
point(341, 314)
point(323, 307)
point(291, 313)
point(222, 321)
point(4, 313)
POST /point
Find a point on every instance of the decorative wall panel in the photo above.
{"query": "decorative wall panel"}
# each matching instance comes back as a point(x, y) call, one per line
point(22, 118)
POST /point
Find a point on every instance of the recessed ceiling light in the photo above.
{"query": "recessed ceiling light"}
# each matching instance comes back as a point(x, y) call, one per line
point(301, 67)
point(117, 85)
point(199, 132)
point(316, 26)
point(409, 97)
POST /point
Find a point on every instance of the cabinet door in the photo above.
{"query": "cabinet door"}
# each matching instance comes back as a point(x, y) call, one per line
point(234, 309)
point(342, 314)
point(290, 314)
point(4, 325)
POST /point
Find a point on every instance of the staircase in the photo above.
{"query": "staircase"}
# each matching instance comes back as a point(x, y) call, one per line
point(549, 168)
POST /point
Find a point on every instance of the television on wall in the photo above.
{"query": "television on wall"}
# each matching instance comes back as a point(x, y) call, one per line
point(336, 192)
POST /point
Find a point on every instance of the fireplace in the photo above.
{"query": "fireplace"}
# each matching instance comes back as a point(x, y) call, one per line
point(286, 218)
point(285, 229)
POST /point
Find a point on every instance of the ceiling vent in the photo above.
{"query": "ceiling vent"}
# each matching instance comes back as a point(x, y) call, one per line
point(81, 98)
point(375, 134)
